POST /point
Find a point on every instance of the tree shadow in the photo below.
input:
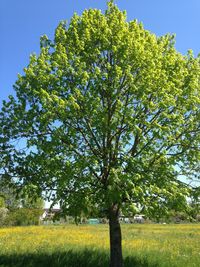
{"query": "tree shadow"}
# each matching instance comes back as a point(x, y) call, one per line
point(82, 258)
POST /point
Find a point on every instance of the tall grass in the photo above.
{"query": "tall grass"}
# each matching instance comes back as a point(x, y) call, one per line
point(88, 246)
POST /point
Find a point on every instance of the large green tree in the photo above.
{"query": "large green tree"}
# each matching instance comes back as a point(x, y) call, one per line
point(108, 116)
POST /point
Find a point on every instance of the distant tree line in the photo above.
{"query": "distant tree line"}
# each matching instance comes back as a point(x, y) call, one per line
point(16, 210)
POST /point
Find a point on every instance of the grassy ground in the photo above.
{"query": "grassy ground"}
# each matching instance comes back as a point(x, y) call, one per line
point(88, 246)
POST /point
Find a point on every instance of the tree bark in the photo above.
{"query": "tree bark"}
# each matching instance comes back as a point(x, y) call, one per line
point(115, 238)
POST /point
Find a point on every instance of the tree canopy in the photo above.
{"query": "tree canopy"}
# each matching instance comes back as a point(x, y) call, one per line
point(108, 116)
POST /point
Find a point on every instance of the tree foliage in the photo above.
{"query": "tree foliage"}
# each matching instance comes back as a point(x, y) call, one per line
point(2, 202)
point(8, 197)
point(106, 114)
point(23, 216)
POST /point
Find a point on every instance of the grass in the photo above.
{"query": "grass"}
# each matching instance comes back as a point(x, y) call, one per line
point(88, 246)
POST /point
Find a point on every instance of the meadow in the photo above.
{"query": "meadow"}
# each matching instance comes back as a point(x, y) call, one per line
point(147, 245)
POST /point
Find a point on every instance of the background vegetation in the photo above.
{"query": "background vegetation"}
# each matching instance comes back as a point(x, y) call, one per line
point(19, 210)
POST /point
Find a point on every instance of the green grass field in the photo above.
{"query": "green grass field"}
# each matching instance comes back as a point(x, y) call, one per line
point(88, 246)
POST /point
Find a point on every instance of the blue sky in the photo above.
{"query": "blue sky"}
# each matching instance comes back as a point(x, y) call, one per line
point(22, 23)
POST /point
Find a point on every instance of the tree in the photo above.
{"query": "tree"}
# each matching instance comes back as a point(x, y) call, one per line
point(108, 117)
point(32, 203)
point(3, 215)
point(23, 216)
point(19, 209)
point(9, 197)
point(12, 199)
point(195, 204)
point(2, 202)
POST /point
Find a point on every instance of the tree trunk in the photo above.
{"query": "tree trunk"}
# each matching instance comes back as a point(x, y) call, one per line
point(115, 238)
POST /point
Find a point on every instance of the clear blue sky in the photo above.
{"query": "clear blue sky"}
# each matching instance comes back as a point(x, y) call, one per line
point(22, 22)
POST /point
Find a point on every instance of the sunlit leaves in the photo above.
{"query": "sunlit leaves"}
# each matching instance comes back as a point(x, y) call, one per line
point(109, 113)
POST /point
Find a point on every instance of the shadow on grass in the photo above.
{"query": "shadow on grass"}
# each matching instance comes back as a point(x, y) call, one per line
point(84, 258)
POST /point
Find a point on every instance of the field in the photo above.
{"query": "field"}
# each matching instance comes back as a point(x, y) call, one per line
point(88, 246)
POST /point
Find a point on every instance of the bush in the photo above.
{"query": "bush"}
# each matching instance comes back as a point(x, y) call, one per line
point(198, 217)
point(23, 216)
point(3, 215)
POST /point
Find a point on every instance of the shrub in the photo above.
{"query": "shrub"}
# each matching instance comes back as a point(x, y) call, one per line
point(23, 216)
point(3, 215)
